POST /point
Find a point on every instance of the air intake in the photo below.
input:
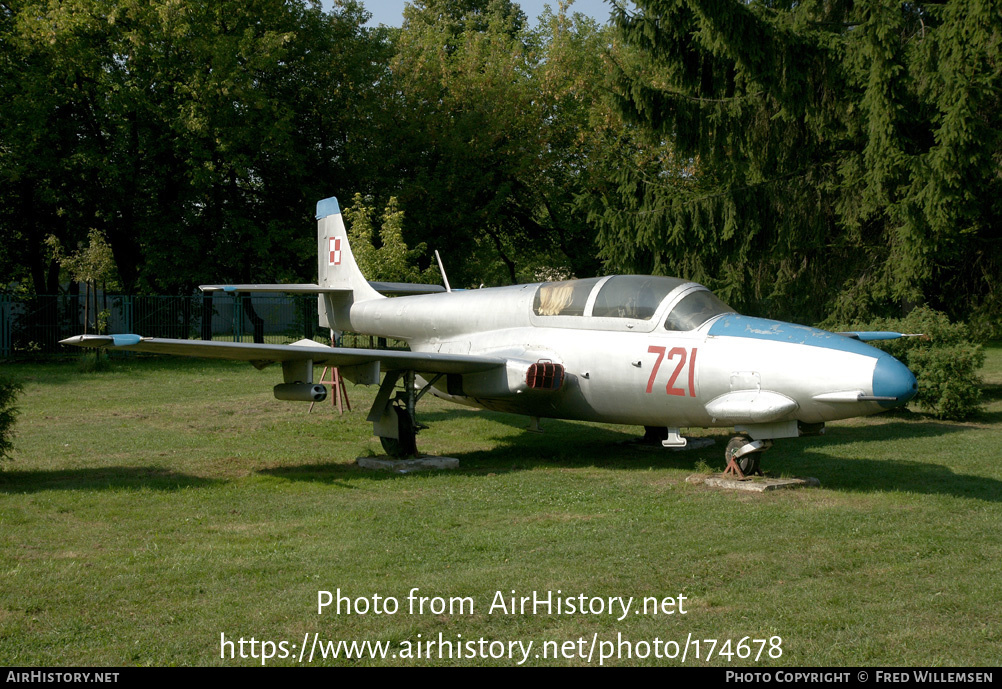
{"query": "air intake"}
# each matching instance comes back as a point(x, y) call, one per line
point(545, 375)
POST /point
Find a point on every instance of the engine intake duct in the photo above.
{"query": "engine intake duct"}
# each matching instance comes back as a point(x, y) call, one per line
point(545, 375)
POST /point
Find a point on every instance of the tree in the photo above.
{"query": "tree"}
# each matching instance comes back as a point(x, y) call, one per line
point(588, 141)
point(9, 391)
point(182, 129)
point(835, 155)
point(391, 261)
point(487, 163)
point(90, 265)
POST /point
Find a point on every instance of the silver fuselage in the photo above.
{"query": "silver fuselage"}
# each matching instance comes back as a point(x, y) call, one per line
point(759, 375)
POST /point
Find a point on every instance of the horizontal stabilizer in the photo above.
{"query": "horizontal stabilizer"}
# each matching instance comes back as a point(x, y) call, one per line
point(404, 288)
point(263, 354)
point(287, 289)
point(870, 335)
point(851, 396)
point(395, 288)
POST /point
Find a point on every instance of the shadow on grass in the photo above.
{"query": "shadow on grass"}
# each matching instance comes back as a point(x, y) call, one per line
point(575, 445)
point(991, 392)
point(861, 473)
point(104, 478)
point(989, 417)
point(58, 371)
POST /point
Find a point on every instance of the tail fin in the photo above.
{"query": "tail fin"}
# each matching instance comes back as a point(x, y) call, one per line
point(337, 269)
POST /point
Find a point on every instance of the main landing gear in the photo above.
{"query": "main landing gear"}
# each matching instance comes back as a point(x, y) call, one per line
point(405, 444)
point(393, 416)
point(742, 456)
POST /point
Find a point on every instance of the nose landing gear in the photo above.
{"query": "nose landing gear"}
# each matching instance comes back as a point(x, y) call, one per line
point(742, 456)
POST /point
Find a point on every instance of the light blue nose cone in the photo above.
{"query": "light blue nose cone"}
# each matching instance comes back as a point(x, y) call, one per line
point(891, 378)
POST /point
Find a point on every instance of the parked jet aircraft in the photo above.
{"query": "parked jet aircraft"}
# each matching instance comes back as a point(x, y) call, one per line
point(659, 352)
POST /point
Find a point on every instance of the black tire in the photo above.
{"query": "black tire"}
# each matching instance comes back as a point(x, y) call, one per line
point(406, 444)
point(747, 463)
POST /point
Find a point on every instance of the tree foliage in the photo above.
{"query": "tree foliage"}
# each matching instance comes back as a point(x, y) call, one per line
point(487, 163)
point(384, 255)
point(9, 390)
point(801, 158)
point(206, 129)
point(945, 360)
point(835, 155)
point(183, 129)
point(90, 264)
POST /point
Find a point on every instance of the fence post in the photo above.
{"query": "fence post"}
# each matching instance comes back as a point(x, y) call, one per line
point(127, 317)
point(238, 318)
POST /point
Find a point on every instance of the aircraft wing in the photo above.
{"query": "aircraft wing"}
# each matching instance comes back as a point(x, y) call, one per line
point(261, 355)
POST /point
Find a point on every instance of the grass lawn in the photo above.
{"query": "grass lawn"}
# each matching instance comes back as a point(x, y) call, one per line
point(157, 505)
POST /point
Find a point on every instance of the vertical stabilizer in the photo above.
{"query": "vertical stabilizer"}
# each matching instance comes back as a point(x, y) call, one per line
point(336, 268)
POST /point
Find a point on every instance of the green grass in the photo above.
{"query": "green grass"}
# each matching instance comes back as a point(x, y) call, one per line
point(159, 503)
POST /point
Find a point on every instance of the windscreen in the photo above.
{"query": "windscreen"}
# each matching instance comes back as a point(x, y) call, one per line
point(694, 310)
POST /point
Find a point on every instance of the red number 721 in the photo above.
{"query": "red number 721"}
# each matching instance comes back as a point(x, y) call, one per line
point(681, 353)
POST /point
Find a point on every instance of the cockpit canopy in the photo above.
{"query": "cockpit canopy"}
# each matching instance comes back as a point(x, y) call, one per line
point(635, 297)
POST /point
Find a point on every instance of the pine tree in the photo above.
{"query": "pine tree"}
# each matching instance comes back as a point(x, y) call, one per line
point(827, 155)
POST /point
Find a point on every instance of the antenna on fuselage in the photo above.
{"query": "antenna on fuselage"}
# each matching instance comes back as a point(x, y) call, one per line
point(441, 269)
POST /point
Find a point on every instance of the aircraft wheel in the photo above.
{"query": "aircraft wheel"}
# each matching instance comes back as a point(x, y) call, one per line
point(653, 435)
point(747, 463)
point(406, 444)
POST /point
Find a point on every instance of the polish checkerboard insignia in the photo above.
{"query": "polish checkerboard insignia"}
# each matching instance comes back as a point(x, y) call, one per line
point(335, 251)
